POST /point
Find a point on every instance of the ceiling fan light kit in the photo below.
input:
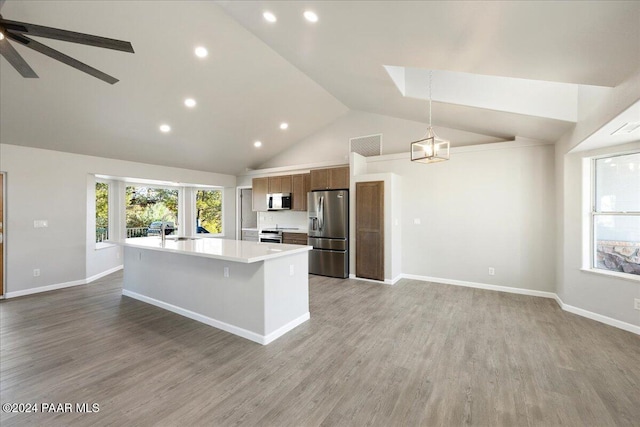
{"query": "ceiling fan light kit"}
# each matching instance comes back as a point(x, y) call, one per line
point(19, 32)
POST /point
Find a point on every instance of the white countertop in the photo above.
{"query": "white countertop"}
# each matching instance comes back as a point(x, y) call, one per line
point(224, 249)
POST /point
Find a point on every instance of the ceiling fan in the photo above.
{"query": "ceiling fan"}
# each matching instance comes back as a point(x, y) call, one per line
point(19, 32)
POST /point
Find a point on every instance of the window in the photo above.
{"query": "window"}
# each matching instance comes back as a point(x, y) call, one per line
point(102, 211)
point(209, 211)
point(146, 209)
point(616, 214)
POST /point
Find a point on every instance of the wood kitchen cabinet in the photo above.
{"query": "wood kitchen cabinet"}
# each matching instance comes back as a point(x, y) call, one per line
point(330, 179)
point(299, 190)
point(259, 195)
point(294, 238)
point(280, 184)
point(370, 230)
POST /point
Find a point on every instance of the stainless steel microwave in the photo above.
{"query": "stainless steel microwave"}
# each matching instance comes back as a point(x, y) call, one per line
point(279, 201)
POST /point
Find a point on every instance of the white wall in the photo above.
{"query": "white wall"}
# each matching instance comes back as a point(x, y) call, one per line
point(51, 185)
point(332, 143)
point(489, 206)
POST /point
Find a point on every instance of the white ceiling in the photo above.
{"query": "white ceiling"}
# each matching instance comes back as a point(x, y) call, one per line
point(258, 74)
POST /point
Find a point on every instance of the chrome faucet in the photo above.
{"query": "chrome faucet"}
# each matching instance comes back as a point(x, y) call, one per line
point(163, 226)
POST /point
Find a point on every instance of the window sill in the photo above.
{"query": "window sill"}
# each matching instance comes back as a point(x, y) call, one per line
point(618, 275)
point(104, 245)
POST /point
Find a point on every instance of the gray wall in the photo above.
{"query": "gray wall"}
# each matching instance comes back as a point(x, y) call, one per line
point(56, 186)
point(489, 206)
point(604, 295)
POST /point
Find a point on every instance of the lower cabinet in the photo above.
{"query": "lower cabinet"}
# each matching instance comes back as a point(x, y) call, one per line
point(294, 238)
point(250, 235)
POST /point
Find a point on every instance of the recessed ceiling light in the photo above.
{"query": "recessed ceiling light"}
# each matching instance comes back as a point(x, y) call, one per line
point(201, 52)
point(190, 102)
point(165, 128)
point(311, 16)
point(270, 17)
point(284, 126)
point(257, 144)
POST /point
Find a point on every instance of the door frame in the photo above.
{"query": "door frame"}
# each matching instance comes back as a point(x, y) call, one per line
point(239, 209)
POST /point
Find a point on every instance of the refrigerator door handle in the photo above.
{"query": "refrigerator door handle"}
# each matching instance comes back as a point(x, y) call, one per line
point(321, 213)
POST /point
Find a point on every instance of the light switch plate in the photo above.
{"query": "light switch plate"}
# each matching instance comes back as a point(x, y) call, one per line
point(636, 303)
point(40, 223)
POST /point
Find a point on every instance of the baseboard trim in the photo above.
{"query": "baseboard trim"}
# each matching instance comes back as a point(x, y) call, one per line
point(385, 282)
point(104, 273)
point(241, 332)
point(508, 289)
point(57, 286)
point(47, 288)
point(598, 317)
point(285, 328)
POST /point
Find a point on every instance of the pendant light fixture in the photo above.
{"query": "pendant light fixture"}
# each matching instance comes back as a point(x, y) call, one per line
point(430, 148)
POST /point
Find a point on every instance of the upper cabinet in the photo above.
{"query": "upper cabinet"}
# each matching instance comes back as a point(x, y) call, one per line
point(299, 190)
point(330, 179)
point(280, 184)
point(260, 190)
point(298, 185)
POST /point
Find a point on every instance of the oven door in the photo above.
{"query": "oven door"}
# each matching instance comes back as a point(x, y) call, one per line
point(270, 239)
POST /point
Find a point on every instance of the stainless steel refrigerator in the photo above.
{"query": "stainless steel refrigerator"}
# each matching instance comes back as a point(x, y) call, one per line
point(329, 233)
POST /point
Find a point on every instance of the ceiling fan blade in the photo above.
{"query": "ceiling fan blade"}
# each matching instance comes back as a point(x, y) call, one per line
point(64, 35)
point(59, 56)
point(14, 58)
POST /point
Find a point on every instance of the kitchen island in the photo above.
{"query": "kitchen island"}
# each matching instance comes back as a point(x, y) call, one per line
point(258, 291)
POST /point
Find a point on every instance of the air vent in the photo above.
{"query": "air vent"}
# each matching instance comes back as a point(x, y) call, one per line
point(628, 128)
point(367, 146)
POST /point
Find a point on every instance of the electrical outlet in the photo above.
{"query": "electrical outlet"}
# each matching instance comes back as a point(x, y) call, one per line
point(636, 303)
point(291, 270)
point(492, 271)
point(416, 221)
point(36, 272)
point(40, 223)
point(117, 254)
point(226, 272)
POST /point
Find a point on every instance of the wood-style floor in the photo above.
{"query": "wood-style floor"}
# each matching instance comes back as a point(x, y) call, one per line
point(412, 354)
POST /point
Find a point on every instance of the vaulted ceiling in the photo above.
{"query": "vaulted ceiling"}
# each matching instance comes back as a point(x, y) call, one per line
point(368, 56)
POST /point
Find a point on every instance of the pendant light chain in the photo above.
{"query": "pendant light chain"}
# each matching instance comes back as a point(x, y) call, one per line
point(430, 73)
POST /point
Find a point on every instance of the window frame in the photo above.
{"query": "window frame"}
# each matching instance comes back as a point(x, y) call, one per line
point(593, 213)
point(195, 209)
point(110, 223)
point(160, 186)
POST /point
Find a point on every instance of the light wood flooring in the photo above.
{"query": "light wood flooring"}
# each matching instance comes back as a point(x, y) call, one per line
point(413, 354)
